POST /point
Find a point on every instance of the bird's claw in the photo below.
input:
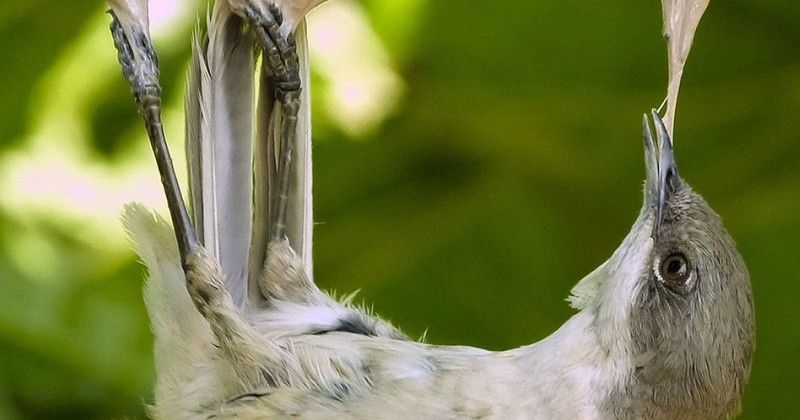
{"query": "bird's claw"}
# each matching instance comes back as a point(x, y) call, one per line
point(137, 58)
point(280, 52)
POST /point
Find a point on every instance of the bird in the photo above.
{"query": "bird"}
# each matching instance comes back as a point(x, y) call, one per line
point(664, 329)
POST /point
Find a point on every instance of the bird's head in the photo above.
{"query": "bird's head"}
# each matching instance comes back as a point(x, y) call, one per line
point(674, 303)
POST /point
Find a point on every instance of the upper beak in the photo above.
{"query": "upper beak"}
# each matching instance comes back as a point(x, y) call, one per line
point(662, 172)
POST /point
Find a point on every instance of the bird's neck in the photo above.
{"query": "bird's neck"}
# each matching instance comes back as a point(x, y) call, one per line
point(617, 380)
point(576, 366)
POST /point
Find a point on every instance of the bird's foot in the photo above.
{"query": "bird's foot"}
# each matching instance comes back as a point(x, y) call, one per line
point(137, 57)
point(280, 52)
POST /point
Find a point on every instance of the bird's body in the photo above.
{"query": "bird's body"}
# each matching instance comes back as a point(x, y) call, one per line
point(664, 328)
point(340, 362)
point(358, 377)
point(354, 375)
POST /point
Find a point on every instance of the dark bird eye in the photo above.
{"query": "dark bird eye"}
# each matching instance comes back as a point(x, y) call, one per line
point(675, 269)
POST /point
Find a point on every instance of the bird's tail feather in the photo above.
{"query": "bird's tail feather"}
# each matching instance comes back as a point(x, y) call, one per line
point(219, 128)
point(233, 178)
point(213, 338)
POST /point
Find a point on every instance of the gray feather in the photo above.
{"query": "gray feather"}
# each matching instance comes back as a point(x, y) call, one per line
point(219, 144)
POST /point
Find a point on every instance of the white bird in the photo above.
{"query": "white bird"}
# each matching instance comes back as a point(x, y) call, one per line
point(664, 328)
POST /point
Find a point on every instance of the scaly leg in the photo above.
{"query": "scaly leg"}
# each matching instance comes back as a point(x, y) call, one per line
point(140, 68)
point(284, 277)
point(255, 360)
point(280, 59)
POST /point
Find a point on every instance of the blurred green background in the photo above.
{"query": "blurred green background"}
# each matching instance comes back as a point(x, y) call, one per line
point(474, 159)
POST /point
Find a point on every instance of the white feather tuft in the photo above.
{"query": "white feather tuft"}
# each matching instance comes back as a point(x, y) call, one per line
point(182, 336)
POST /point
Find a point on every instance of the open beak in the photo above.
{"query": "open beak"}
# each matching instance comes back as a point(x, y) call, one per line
point(662, 172)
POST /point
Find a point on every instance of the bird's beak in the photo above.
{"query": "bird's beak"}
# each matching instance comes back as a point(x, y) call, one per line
point(662, 172)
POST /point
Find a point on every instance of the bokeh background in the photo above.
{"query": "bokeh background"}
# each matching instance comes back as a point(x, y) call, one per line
point(474, 159)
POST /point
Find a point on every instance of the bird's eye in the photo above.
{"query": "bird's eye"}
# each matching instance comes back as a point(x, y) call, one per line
point(675, 269)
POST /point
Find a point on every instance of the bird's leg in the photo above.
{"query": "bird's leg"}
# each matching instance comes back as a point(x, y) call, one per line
point(281, 61)
point(256, 361)
point(254, 358)
point(284, 277)
point(140, 68)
